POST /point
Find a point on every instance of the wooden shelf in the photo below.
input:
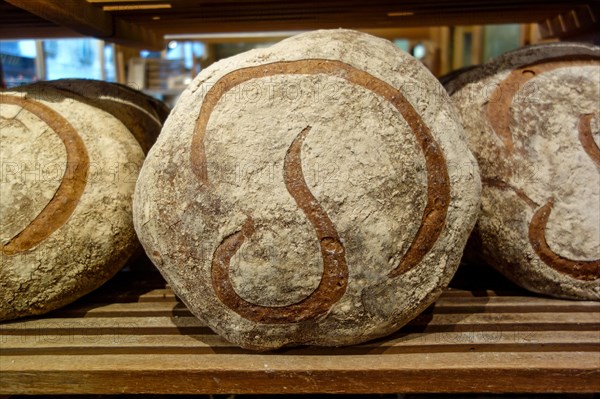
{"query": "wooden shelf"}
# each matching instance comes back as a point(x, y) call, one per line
point(134, 336)
point(146, 23)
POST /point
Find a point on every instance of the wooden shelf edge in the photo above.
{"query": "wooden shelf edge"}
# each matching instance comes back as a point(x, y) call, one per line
point(325, 381)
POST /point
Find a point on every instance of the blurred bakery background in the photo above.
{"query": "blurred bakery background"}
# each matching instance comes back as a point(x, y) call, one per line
point(159, 46)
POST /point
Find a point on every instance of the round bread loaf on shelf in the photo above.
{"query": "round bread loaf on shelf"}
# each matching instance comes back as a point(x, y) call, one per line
point(309, 193)
point(68, 175)
point(143, 115)
point(532, 120)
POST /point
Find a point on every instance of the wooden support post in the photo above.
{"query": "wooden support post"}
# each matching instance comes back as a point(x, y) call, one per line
point(444, 50)
point(476, 45)
point(458, 47)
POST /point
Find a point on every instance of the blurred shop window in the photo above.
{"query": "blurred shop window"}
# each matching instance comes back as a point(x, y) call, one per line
point(150, 54)
point(402, 44)
point(72, 58)
point(167, 73)
point(186, 51)
point(110, 63)
point(467, 50)
point(18, 60)
point(79, 58)
point(419, 51)
point(499, 39)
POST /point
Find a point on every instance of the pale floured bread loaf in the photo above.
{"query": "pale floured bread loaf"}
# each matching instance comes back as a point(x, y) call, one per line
point(532, 119)
point(68, 174)
point(141, 114)
point(299, 195)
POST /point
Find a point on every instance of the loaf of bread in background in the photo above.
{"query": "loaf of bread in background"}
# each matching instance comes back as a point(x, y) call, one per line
point(309, 193)
point(532, 118)
point(69, 167)
point(143, 115)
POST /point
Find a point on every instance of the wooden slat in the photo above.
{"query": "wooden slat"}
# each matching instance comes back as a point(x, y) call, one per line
point(276, 373)
point(446, 304)
point(453, 341)
point(425, 323)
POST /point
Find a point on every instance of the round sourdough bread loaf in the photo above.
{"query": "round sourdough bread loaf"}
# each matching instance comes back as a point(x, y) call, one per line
point(309, 193)
point(532, 120)
point(68, 175)
point(141, 114)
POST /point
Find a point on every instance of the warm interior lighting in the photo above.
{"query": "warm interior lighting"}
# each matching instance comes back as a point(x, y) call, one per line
point(400, 14)
point(233, 35)
point(136, 7)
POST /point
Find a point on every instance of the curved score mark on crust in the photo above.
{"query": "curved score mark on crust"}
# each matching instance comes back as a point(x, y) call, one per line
point(438, 185)
point(587, 140)
point(498, 108)
point(335, 270)
point(579, 269)
point(67, 196)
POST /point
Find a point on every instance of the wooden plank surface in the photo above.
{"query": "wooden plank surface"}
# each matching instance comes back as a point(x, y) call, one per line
point(135, 336)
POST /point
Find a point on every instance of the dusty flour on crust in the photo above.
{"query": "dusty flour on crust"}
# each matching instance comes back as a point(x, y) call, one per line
point(309, 177)
point(540, 222)
point(68, 178)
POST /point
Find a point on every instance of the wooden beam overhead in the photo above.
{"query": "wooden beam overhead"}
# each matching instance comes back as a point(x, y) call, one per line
point(167, 25)
point(91, 20)
point(74, 14)
point(145, 23)
point(37, 32)
point(576, 21)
